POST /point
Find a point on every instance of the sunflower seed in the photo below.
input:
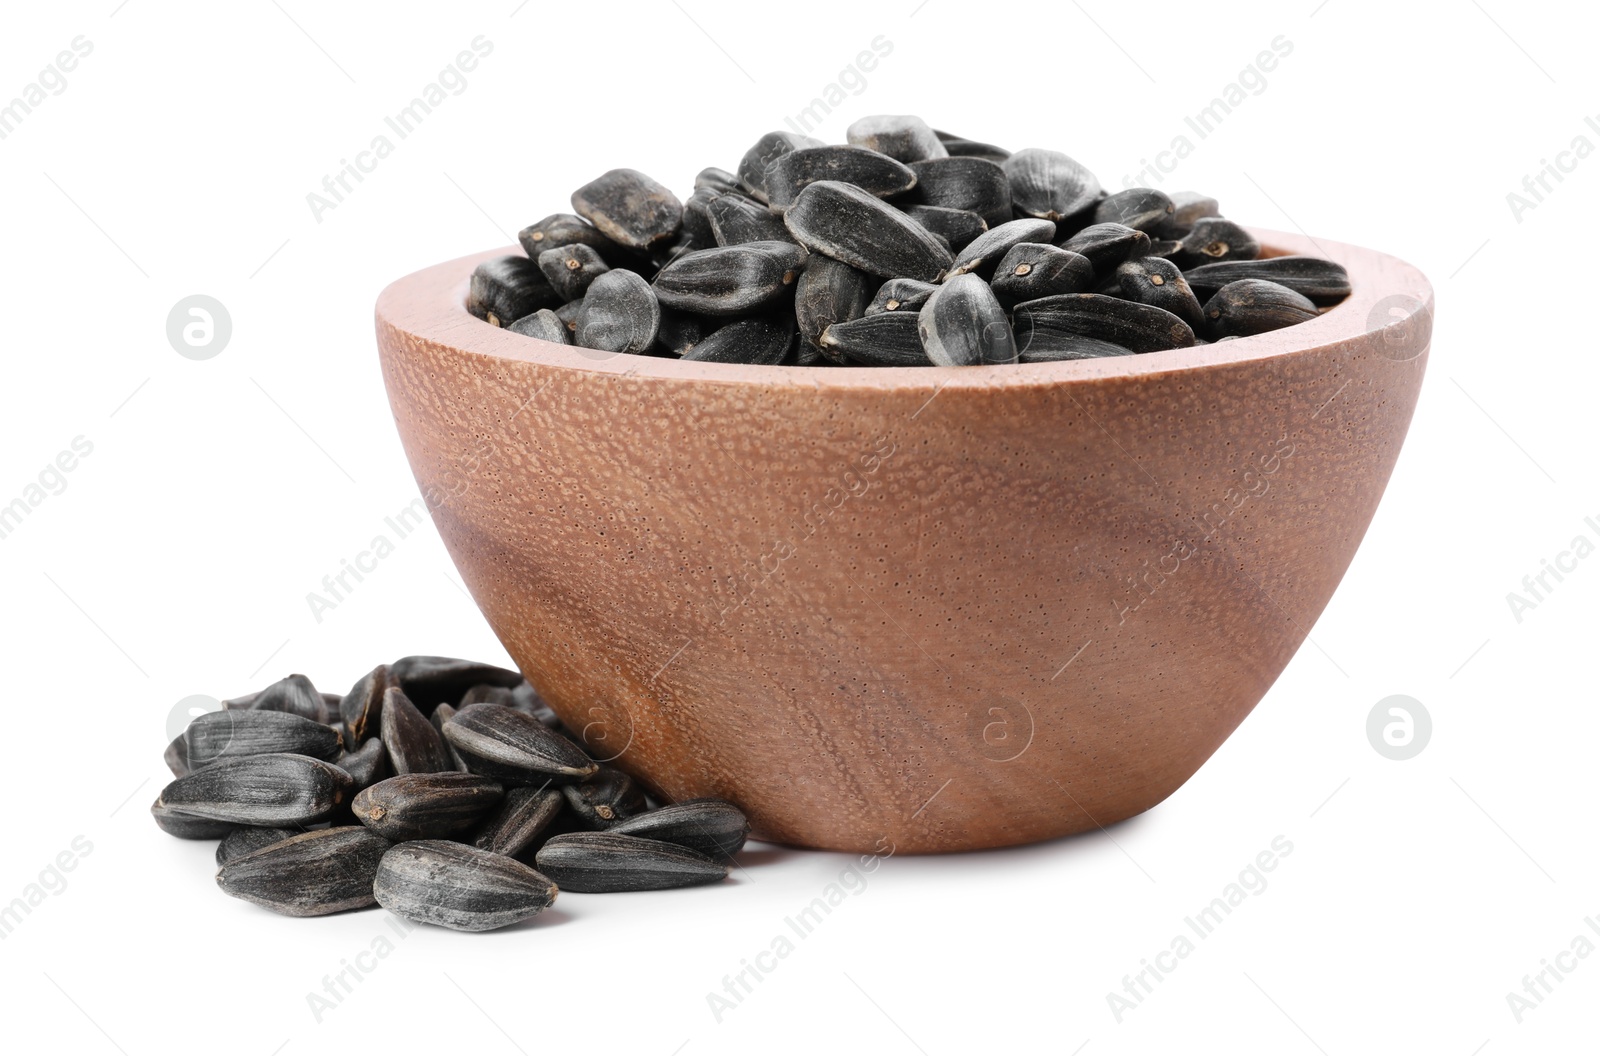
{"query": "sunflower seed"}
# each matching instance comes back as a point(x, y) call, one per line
point(731, 280)
point(505, 289)
point(962, 324)
point(570, 269)
point(875, 173)
point(681, 331)
point(1189, 207)
point(987, 249)
point(487, 694)
point(220, 735)
point(267, 790)
point(848, 224)
point(956, 226)
point(568, 314)
point(605, 798)
point(521, 818)
point(366, 765)
point(736, 220)
point(829, 291)
point(769, 148)
point(295, 695)
point(887, 339)
point(543, 324)
point(359, 709)
point(961, 147)
point(443, 714)
point(1141, 208)
point(629, 208)
point(1151, 280)
point(460, 887)
point(714, 827)
point(1049, 185)
point(1108, 246)
point(498, 742)
point(565, 229)
point(597, 862)
point(414, 746)
point(902, 137)
point(901, 295)
point(1212, 239)
point(697, 215)
point(1321, 281)
point(1030, 270)
point(1043, 347)
point(763, 340)
point(177, 756)
point(719, 180)
point(619, 314)
point(189, 826)
point(974, 184)
point(241, 842)
point(526, 699)
point(427, 806)
point(1139, 327)
point(430, 680)
point(1255, 306)
point(310, 875)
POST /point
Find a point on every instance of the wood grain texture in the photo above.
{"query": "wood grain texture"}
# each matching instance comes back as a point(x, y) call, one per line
point(941, 608)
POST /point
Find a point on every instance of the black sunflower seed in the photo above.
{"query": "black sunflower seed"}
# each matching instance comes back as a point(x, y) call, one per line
point(545, 325)
point(268, 790)
point(829, 291)
point(1212, 239)
point(1049, 185)
point(359, 709)
point(310, 875)
point(1321, 281)
point(961, 147)
point(505, 289)
point(762, 340)
point(242, 841)
point(1141, 208)
point(848, 224)
point(430, 680)
point(177, 756)
point(1139, 327)
point(523, 815)
point(604, 799)
point(629, 208)
point(987, 249)
point(901, 136)
point(681, 331)
point(736, 220)
point(1190, 206)
point(974, 184)
point(515, 749)
point(956, 226)
point(1108, 246)
point(459, 887)
point(697, 215)
point(220, 735)
point(1030, 270)
point(565, 229)
point(963, 324)
point(414, 746)
point(487, 694)
point(901, 295)
point(730, 280)
point(441, 715)
point(721, 181)
point(619, 314)
point(752, 175)
point(189, 826)
point(1151, 280)
point(571, 269)
point(714, 827)
point(887, 339)
point(596, 862)
point(295, 695)
point(366, 765)
point(1255, 306)
point(427, 806)
point(1044, 347)
point(875, 173)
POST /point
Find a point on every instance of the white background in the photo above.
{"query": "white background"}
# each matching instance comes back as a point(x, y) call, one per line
point(178, 558)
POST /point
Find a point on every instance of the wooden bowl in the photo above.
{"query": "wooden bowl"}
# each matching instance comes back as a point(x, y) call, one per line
point(934, 608)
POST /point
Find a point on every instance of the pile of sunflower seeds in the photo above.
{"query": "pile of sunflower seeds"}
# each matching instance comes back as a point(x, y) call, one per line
point(906, 247)
point(444, 790)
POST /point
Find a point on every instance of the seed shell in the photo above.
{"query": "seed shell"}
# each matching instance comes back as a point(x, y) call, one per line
point(714, 827)
point(903, 137)
point(427, 806)
point(523, 815)
point(188, 826)
point(1321, 281)
point(266, 790)
point(761, 341)
point(505, 289)
point(736, 220)
point(414, 746)
point(963, 324)
point(1151, 280)
point(901, 295)
point(570, 269)
point(850, 225)
point(543, 324)
point(829, 291)
point(730, 280)
point(459, 887)
point(430, 680)
point(1212, 239)
point(360, 708)
point(1254, 306)
point(1139, 327)
point(250, 838)
point(887, 339)
point(515, 749)
point(599, 862)
point(310, 875)
point(366, 765)
point(295, 695)
point(956, 226)
point(769, 148)
point(629, 208)
point(220, 735)
point(973, 184)
point(875, 173)
point(619, 314)
point(987, 249)
point(1141, 208)
point(605, 798)
point(1049, 185)
point(1108, 247)
point(1032, 270)
point(1044, 347)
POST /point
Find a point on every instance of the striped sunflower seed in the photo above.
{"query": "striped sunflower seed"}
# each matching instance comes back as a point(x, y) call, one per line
point(681, 331)
point(973, 184)
point(730, 280)
point(565, 229)
point(1108, 247)
point(619, 314)
point(430, 680)
point(241, 842)
point(523, 815)
point(505, 289)
point(956, 226)
point(902, 137)
point(963, 324)
point(441, 715)
point(218, 735)
point(1189, 207)
point(875, 173)
point(887, 339)
point(571, 269)
point(188, 826)
point(601, 862)
point(295, 695)
point(1255, 306)
point(987, 249)
point(427, 806)
point(1141, 208)
point(459, 887)
point(850, 225)
point(310, 875)
point(719, 180)
point(714, 827)
point(1212, 239)
point(1044, 347)
point(515, 749)
point(360, 708)
point(543, 324)
point(605, 798)
point(177, 756)
point(267, 790)
point(1321, 281)
point(1031, 270)
point(1151, 280)
point(901, 295)
point(414, 746)
point(1049, 185)
point(366, 765)
point(829, 291)
point(752, 174)
point(760, 341)
point(629, 208)
point(1140, 327)
point(961, 147)
point(736, 220)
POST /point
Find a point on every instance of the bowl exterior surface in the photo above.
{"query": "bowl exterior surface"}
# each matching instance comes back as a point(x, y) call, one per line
point(933, 609)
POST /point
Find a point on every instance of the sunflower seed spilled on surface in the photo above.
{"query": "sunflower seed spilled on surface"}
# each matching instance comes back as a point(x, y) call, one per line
point(1255, 306)
point(887, 339)
point(605, 799)
point(1049, 185)
point(901, 295)
point(902, 137)
point(629, 208)
point(366, 765)
point(1031, 270)
point(188, 826)
point(1321, 281)
point(973, 184)
point(414, 746)
point(515, 749)
point(460, 887)
point(309, 875)
point(601, 862)
point(752, 175)
point(731, 280)
point(571, 269)
point(242, 841)
point(231, 734)
point(875, 173)
point(986, 250)
point(267, 790)
point(619, 314)
point(543, 324)
point(1139, 327)
point(761, 341)
point(505, 289)
point(714, 827)
point(427, 806)
point(523, 815)
point(829, 291)
point(736, 220)
point(1152, 280)
point(963, 324)
point(848, 224)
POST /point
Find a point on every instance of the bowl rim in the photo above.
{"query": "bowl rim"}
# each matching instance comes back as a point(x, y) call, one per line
point(430, 305)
